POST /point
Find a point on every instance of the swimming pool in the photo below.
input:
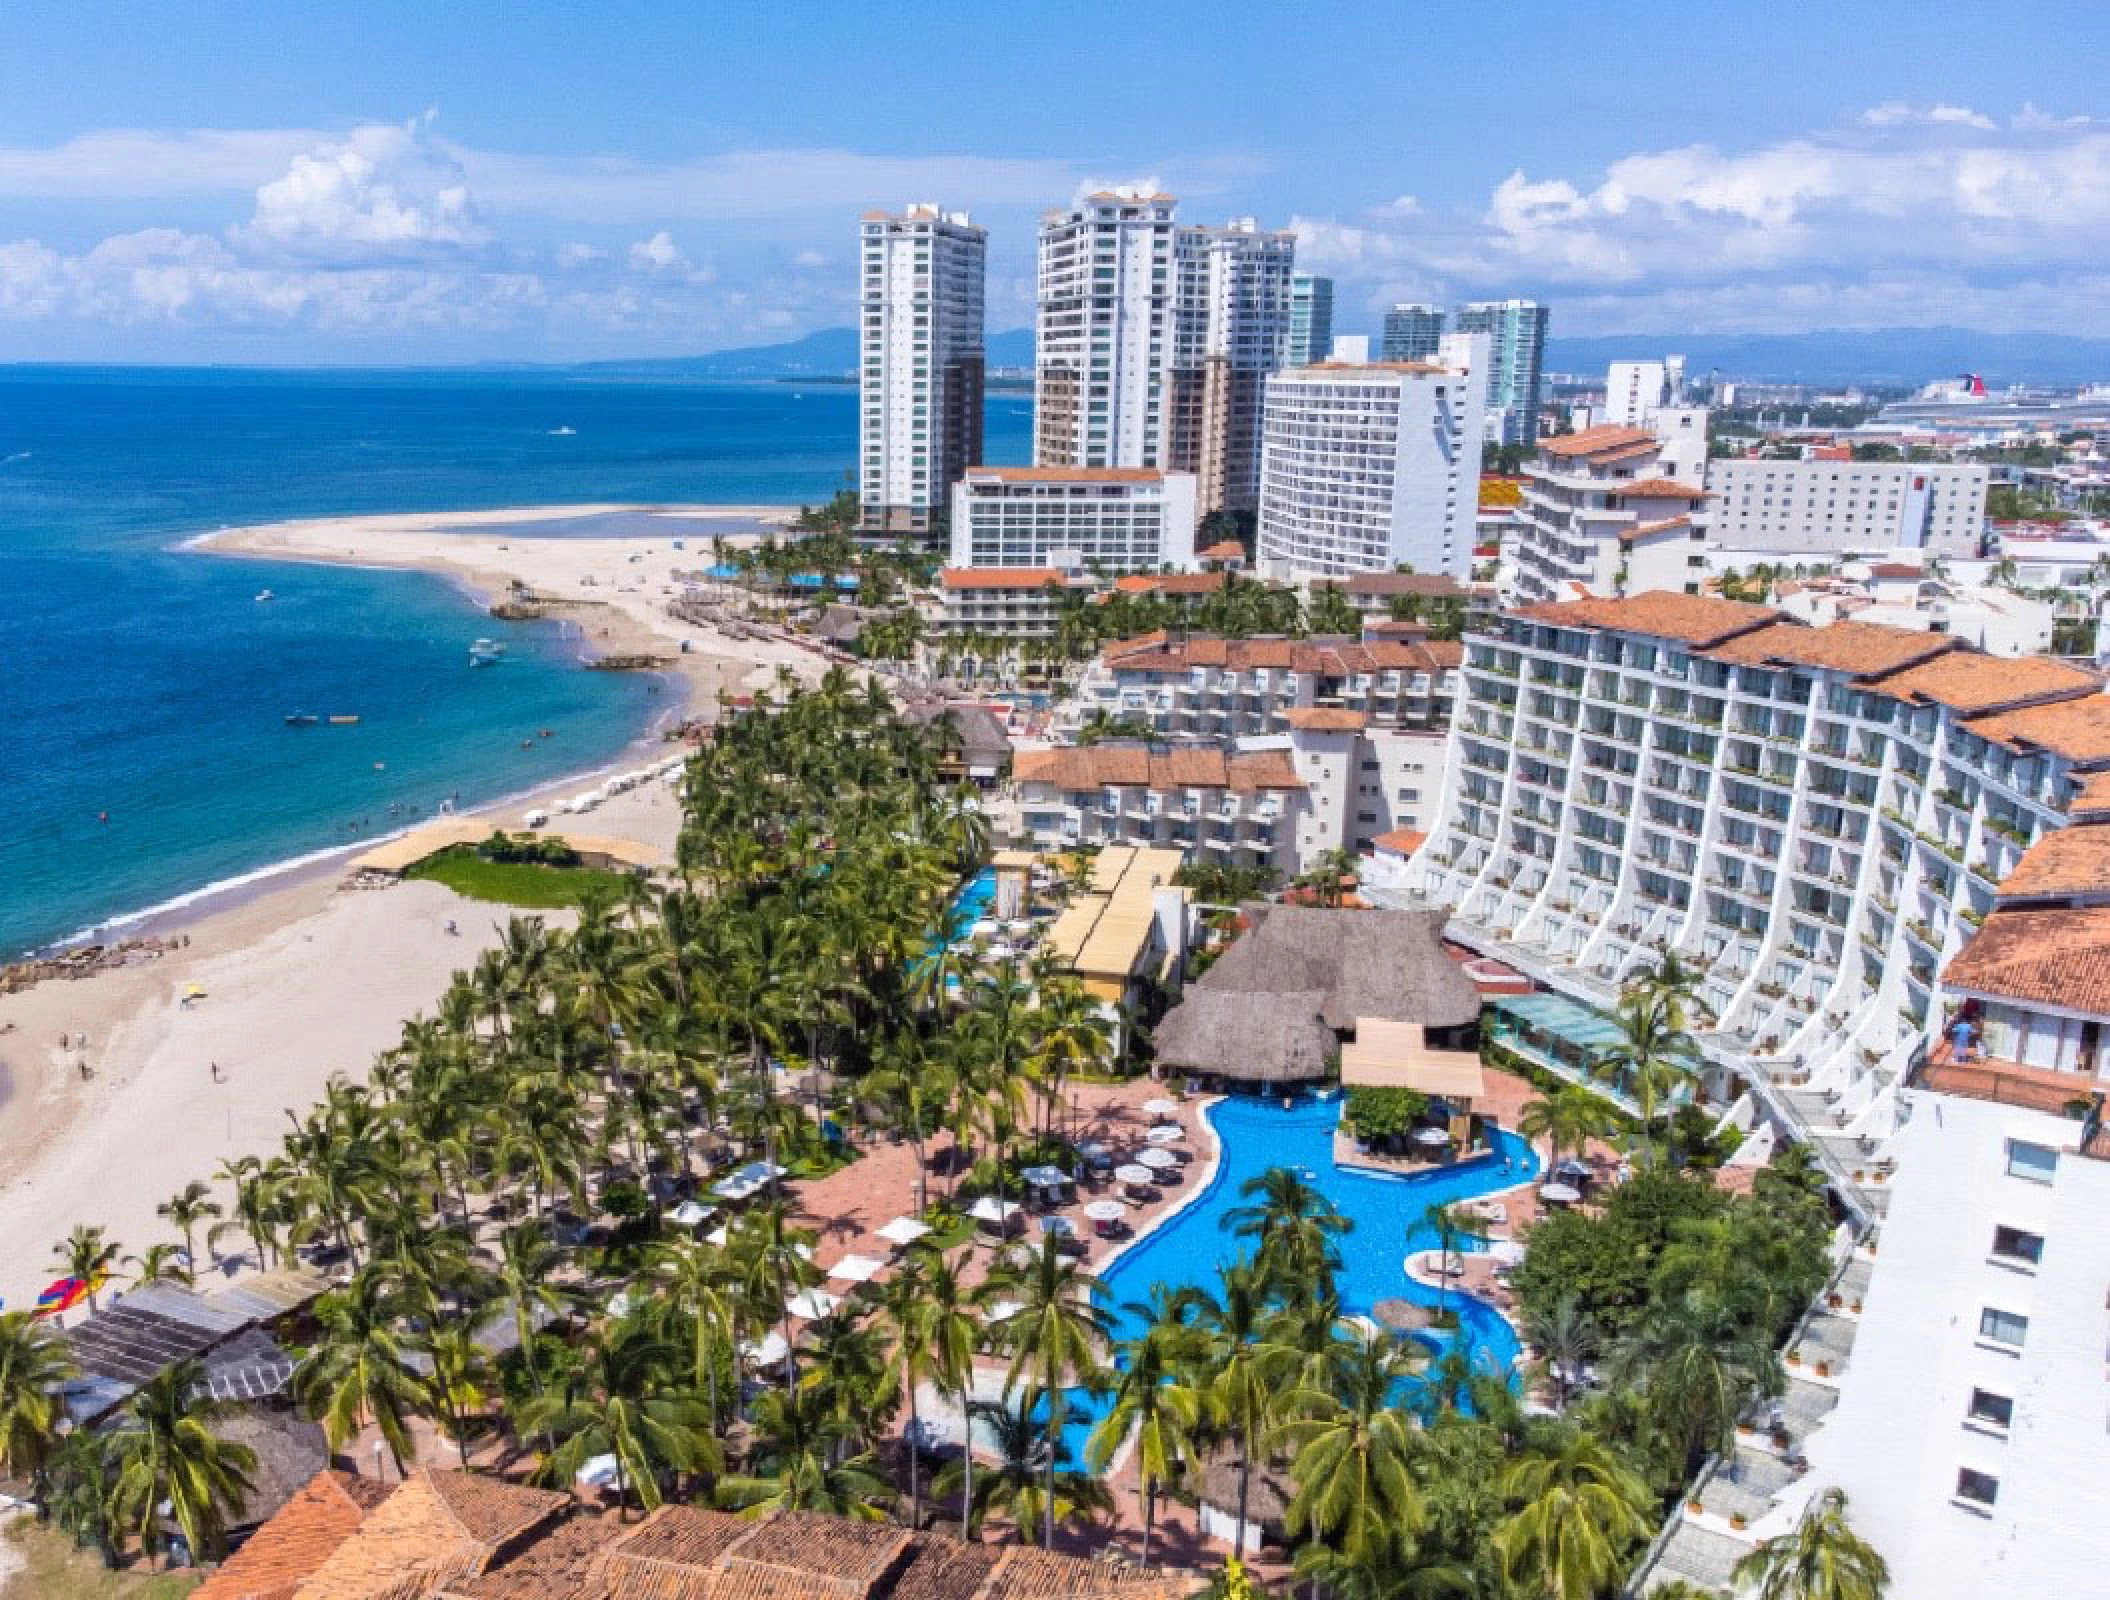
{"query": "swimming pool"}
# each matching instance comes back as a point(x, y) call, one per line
point(1192, 1247)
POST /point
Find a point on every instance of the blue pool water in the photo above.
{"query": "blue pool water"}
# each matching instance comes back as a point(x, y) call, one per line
point(977, 895)
point(1256, 1134)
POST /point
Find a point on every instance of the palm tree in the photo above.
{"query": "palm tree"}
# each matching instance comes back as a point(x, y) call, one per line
point(955, 1334)
point(162, 1263)
point(1568, 1119)
point(1579, 1509)
point(1653, 1058)
point(461, 1374)
point(1055, 1336)
point(799, 1463)
point(252, 1207)
point(623, 1400)
point(360, 1371)
point(1694, 1364)
point(700, 1288)
point(88, 1254)
point(167, 1456)
point(1823, 1559)
point(1236, 1363)
point(1162, 1412)
point(1293, 1229)
point(1453, 1226)
point(1030, 1483)
point(526, 1259)
point(905, 1302)
point(1565, 1340)
point(33, 1365)
point(184, 1210)
point(1352, 1455)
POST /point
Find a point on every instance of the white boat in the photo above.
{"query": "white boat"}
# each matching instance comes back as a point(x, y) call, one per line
point(485, 652)
point(263, 595)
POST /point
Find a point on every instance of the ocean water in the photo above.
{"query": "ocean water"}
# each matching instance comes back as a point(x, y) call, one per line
point(145, 684)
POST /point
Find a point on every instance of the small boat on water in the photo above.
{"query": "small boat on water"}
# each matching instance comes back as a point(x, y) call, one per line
point(485, 653)
point(263, 594)
point(301, 719)
point(344, 722)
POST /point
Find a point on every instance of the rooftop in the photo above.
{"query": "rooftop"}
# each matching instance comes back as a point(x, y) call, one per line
point(1865, 649)
point(1693, 619)
point(2067, 863)
point(1663, 489)
point(299, 1538)
point(1606, 440)
point(2054, 955)
point(2077, 729)
point(998, 577)
point(1973, 684)
point(1337, 658)
point(1065, 475)
point(1325, 719)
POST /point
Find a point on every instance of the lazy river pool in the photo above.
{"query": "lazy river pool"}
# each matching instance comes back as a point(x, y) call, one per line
point(1192, 1246)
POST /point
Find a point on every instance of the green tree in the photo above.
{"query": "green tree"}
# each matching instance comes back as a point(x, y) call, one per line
point(184, 1210)
point(87, 1253)
point(359, 1371)
point(459, 1384)
point(1031, 1483)
point(1155, 1405)
point(1653, 1058)
point(1823, 1559)
point(1056, 1337)
point(1352, 1459)
point(167, 1463)
point(624, 1399)
point(1578, 1512)
point(33, 1367)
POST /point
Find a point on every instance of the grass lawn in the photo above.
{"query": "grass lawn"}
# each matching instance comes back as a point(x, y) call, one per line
point(513, 883)
point(47, 1567)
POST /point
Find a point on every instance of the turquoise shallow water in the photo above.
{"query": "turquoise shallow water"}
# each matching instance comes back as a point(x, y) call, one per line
point(144, 682)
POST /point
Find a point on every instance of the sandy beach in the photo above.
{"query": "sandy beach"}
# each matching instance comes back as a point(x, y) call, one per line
point(302, 978)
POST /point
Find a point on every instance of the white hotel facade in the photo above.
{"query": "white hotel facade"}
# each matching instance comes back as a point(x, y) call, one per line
point(920, 362)
point(1104, 331)
point(1125, 519)
point(1834, 507)
point(1365, 466)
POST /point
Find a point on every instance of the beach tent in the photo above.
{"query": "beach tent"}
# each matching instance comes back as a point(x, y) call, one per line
point(62, 1295)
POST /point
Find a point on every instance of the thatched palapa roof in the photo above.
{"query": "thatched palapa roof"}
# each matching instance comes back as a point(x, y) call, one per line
point(1273, 1007)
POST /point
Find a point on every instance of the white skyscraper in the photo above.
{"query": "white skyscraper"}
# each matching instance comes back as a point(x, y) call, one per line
point(1231, 329)
point(1516, 332)
point(921, 357)
point(1365, 466)
point(1104, 333)
point(1634, 391)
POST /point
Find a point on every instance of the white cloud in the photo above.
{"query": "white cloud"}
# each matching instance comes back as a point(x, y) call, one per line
point(139, 163)
point(577, 254)
point(1915, 215)
point(810, 259)
point(657, 254)
point(381, 188)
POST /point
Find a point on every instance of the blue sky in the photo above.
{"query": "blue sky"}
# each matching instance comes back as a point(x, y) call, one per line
point(422, 182)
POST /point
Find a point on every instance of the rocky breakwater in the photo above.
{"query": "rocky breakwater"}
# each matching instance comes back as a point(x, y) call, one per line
point(84, 962)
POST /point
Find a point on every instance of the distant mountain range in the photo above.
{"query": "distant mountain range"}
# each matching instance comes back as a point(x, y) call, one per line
point(1889, 356)
point(824, 353)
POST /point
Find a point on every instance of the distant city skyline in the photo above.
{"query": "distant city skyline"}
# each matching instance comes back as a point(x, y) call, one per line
point(421, 184)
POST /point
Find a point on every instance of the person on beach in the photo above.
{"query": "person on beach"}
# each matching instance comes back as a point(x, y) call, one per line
point(216, 1077)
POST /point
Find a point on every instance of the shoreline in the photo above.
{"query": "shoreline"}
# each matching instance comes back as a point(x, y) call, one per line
point(106, 1103)
point(481, 589)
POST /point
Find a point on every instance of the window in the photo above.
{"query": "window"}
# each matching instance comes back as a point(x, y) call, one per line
point(2014, 1244)
point(2036, 1162)
point(1979, 1488)
point(1995, 1410)
point(2003, 1327)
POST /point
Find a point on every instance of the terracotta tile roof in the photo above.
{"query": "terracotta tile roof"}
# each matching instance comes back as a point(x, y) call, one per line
point(1405, 840)
point(1863, 649)
point(1223, 550)
point(671, 1553)
point(2067, 862)
point(562, 1565)
point(437, 1528)
point(2091, 802)
point(1325, 719)
point(1170, 583)
point(946, 1569)
point(297, 1539)
point(1024, 1573)
point(1895, 569)
point(2053, 956)
point(1152, 640)
point(1663, 489)
point(1597, 441)
point(1118, 766)
point(1338, 658)
point(2079, 729)
point(1067, 474)
point(998, 577)
point(1661, 525)
point(1973, 684)
point(1693, 619)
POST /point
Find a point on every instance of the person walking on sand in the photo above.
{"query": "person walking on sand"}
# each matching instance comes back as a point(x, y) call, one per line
point(216, 1078)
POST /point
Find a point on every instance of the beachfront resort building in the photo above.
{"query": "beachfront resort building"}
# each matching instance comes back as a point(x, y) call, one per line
point(1120, 519)
point(1516, 335)
point(1230, 330)
point(1604, 512)
point(1367, 467)
point(920, 362)
point(1104, 332)
point(1126, 932)
point(1833, 507)
point(1003, 602)
point(1814, 817)
point(1310, 319)
point(1411, 333)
